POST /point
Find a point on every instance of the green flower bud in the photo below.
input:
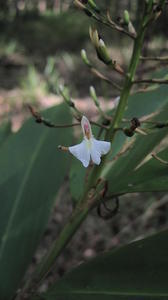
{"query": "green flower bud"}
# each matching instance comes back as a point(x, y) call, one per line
point(94, 96)
point(102, 53)
point(85, 58)
point(126, 17)
point(93, 5)
point(94, 37)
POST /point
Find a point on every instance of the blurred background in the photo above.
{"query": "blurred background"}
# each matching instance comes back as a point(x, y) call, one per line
point(40, 43)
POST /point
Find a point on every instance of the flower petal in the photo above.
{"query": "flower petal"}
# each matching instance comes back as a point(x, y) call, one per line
point(81, 152)
point(98, 149)
point(95, 156)
point(101, 146)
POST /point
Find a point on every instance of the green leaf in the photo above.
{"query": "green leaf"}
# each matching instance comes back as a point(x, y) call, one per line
point(139, 105)
point(77, 179)
point(138, 271)
point(31, 172)
point(121, 172)
point(5, 131)
point(151, 176)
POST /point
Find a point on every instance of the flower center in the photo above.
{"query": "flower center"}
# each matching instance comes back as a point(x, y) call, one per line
point(87, 131)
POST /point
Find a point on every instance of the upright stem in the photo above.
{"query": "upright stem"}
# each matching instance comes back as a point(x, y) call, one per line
point(123, 101)
point(66, 234)
point(84, 206)
point(79, 215)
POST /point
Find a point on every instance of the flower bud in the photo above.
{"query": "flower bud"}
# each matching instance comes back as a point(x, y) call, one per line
point(85, 58)
point(94, 37)
point(103, 53)
point(93, 5)
point(94, 96)
point(126, 17)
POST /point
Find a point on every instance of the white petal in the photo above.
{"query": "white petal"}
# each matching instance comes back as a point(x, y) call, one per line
point(95, 156)
point(81, 152)
point(101, 146)
point(98, 149)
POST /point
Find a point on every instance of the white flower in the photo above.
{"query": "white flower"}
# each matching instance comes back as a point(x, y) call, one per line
point(89, 148)
point(116, 101)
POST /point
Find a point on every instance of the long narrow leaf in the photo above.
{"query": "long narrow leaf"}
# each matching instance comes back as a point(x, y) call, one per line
point(138, 271)
point(31, 172)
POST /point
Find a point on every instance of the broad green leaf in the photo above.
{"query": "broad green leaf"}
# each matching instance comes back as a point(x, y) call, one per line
point(152, 176)
point(77, 179)
point(5, 131)
point(138, 271)
point(31, 172)
point(122, 169)
point(139, 105)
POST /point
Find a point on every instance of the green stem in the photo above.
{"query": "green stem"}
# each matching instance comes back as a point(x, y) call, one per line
point(77, 217)
point(85, 206)
point(68, 231)
point(80, 214)
point(122, 104)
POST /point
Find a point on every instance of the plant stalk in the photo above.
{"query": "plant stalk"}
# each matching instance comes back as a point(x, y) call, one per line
point(81, 211)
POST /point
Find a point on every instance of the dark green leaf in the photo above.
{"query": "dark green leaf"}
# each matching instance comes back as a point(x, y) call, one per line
point(138, 271)
point(152, 176)
point(122, 170)
point(139, 105)
point(31, 172)
point(77, 179)
point(5, 132)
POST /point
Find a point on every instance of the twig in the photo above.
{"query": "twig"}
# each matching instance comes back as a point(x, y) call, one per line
point(63, 148)
point(155, 58)
point(103, 77)
point(113, 25)
point(107, 119)
point(99, 125)
point(154, 155)
point(153, 81)
point(126, 147)
point(39, 119)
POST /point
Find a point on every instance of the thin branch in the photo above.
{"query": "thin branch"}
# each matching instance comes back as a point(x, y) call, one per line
point(155, 58)
point(154, 155)
point(39, 119)
point(152, 81)
point(63, 148)
point(126, 147)
point(106, 20)
point(103, 77)
point(99, 125)
point(120, 29)
point(116, 67)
